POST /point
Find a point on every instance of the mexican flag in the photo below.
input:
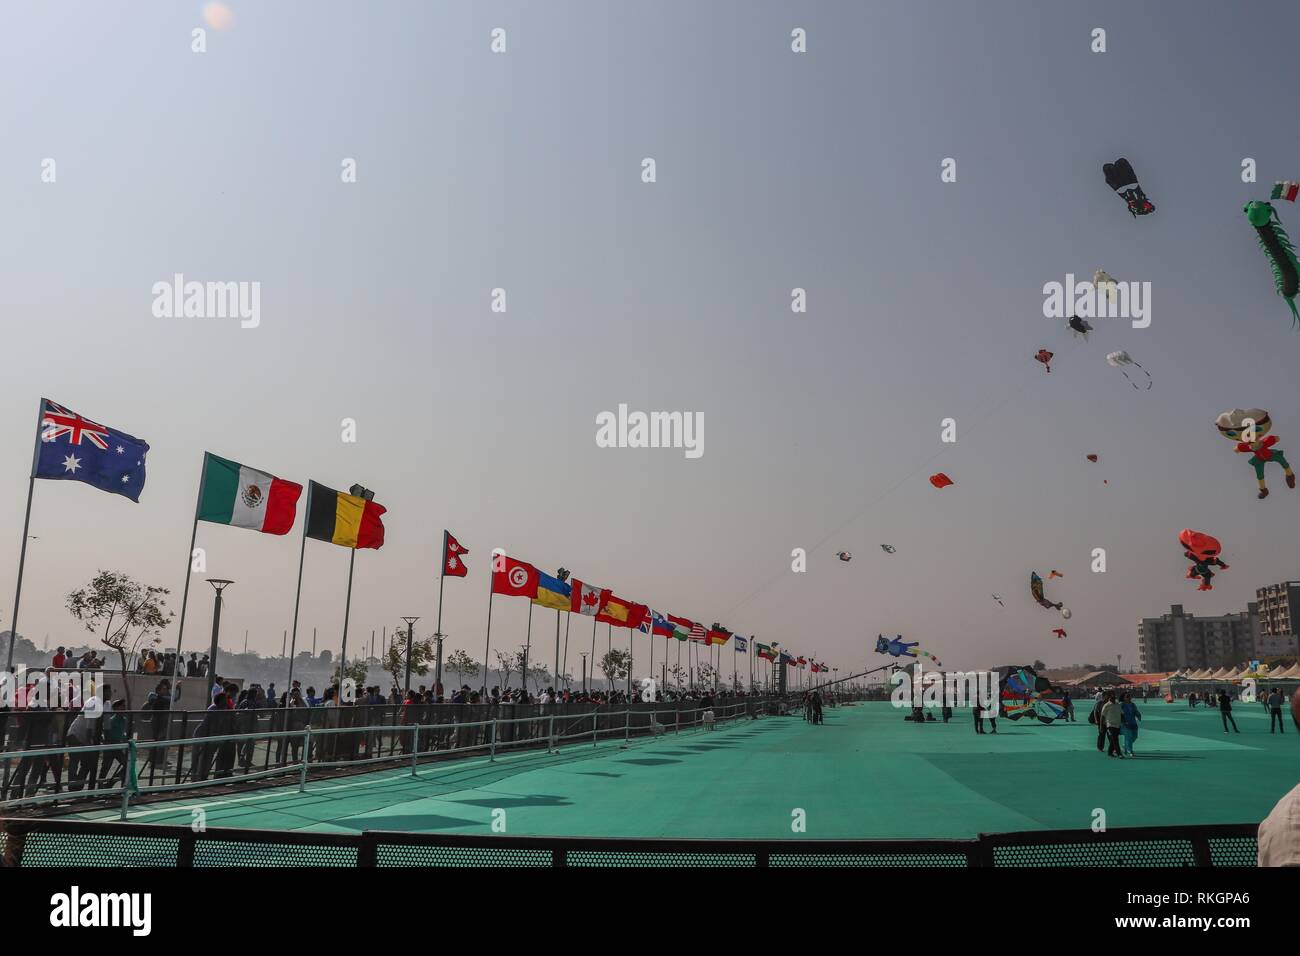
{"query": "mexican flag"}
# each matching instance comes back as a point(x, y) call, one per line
point(237, 495)
point(1285, 190)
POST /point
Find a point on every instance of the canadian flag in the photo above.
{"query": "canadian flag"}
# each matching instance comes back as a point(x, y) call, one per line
point(453, 564)
point(588, 599)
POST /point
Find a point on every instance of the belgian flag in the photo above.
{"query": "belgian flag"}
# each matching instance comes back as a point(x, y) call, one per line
point(343, 519)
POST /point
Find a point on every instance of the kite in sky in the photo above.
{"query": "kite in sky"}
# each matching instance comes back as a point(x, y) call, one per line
point(1022, 693)
point(1105, 282)
point(1121, 178)
point(1036, 589)
point(1059, 632)
point(1092, 457)
point(1079, 326)
point(1248, 428)
point(1277, 247)
point(1045, 357)
point(940, 480)
point(888, 548)
point(1120, 359)
point(1203, 551)
point(900, 648)
point(998, 598)
point(844, 556)
point(1054, 574)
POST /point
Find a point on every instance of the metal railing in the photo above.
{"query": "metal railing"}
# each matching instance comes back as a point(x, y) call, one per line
point(35, 842)
point(141, 767)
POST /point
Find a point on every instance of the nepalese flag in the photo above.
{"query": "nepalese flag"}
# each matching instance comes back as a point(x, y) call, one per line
point(453, 556)
point(742, 645)
point(587, 598)
point(74, 448)
point(1285, 190)
point(801, 662)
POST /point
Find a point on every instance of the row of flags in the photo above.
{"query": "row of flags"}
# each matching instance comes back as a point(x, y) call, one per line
point(72, 447)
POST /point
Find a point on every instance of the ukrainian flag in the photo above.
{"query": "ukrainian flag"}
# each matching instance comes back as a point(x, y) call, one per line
point(552, 592)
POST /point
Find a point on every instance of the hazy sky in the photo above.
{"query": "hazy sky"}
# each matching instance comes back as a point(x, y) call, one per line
point(775, 170)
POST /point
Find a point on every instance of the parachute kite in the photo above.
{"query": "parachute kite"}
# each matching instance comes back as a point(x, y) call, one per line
point(1022, 693)
point(940, 480)
point(1281, 254)
point(1120, 359)
point(844, 556)
point(888, 548)
point(1036, 589)
point(1121, 178)
point(1045, 357)
point(900, 648)
point(1079, 326)
point(1254, 424)
point(1203, 551)
point(1104, 282)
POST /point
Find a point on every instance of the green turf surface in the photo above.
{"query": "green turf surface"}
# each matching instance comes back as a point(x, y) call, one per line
point(865, 773)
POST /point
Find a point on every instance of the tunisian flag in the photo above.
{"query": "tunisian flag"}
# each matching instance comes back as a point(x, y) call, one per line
point(513, 578)
point(453, 564)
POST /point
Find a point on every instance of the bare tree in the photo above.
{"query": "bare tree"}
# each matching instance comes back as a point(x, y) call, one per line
point(119, 604)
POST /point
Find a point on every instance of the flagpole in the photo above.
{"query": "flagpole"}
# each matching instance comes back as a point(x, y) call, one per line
point(594, 623)
point(297, 601)
point(189, 558)
point(630, 657)
point(442, 576)
point(564, 664)
point(347, 609)
point(27, 520)
point(528, 646)
point(487, 649)
point(556, 676)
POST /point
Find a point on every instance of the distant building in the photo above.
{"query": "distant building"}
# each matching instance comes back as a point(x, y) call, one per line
point(1275, 604)
point(1179, 640)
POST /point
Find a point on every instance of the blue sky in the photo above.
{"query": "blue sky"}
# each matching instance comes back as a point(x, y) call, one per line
point(775, 170)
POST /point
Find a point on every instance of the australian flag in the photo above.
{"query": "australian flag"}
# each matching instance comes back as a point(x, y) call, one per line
point(76, 449)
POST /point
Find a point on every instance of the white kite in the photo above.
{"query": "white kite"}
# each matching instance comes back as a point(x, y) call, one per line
point(1120, 359)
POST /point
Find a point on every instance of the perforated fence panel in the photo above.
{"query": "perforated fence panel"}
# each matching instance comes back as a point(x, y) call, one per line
point(868, 859)
point(460, 856)
point(91, 849)
point(638, 858)
point(241, 853)
point(1143, 853)
point(1233, 851)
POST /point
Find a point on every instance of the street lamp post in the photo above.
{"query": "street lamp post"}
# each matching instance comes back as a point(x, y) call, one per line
point(410, 632)
point(219, 585)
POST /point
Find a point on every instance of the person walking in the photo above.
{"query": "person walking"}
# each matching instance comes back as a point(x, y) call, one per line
point(1112, 718)
point(1069, 708)
point(979, 717)
point(1095, 718)
point(1225, 712)
point(1275, 702)
point(1129, 718)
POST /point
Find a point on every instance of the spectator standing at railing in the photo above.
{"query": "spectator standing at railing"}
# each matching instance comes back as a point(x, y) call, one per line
point(295, 720)
point(60, 659)
point(245, 723)
point(82, 733)
point(114, 734)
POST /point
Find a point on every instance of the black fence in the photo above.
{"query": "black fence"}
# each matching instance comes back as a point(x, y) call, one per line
point(64, 843)
point(180, 748)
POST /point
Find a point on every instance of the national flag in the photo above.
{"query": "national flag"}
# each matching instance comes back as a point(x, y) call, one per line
point(742, 645)
point(620, 613)
point(1285, 190)
point(656, 625)
point(681, 627)
point(716, 635)
point(785, 658)
point(514, 578)
point(587, 598)
point(244, 497)
point(698, 632)
point(552, 592)
point(343, 519)
point(453, 556)
point(764, 651)
point(637, 615)
point(73, 448)
point(802, 662)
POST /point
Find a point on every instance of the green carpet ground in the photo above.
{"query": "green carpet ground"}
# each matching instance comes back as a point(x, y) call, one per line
point(865, 773)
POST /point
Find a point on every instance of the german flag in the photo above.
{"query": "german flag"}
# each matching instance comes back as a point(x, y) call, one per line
point(343, 519)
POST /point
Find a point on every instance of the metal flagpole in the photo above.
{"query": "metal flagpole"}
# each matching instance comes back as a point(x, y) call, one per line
point(528, 646)
point(556, 675)
point(594, 622)
point(27, 520)
point(189, 558)
point(487, 648)
point(442, 576)
point(630, 656)
point(297, 601)
point(564, 663)
point(347, 609)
